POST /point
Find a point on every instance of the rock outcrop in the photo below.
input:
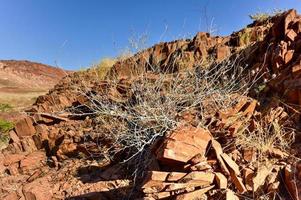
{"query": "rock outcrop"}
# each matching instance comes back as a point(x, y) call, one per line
point(49, 150)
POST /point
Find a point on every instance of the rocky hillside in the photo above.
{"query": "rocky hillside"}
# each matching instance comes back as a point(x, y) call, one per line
point(30, 75)
point(201, 118)
point(23, 81)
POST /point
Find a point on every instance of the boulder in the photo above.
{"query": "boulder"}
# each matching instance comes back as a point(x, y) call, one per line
point(183, 144)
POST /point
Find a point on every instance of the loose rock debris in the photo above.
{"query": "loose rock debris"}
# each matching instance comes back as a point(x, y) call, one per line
point(234, 156)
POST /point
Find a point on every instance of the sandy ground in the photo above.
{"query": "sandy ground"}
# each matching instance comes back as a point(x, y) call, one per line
point(19, 100)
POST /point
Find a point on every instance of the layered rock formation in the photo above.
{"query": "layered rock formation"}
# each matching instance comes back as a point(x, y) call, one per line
point(49, 150)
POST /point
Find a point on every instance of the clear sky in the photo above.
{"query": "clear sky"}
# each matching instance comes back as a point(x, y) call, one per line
point(76, 33)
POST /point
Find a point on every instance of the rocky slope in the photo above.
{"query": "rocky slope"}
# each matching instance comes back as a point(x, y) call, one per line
point(23, 81)
point(61, 149)
point(28, 75)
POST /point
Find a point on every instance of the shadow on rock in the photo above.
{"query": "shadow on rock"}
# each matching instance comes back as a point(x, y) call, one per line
point(114, 194)
point(93, 173)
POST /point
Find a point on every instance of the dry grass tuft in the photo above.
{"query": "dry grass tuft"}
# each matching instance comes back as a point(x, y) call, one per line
point(265, 136)
point(19, 100)
point(103, 67)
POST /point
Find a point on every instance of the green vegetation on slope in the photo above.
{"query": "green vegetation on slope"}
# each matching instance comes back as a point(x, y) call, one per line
point(5, 127)
point(4, 107)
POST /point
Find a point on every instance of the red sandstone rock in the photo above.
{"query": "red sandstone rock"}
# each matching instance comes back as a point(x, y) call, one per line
point(197, 159)
point(2, 167)
point(288, 19)
point(160, 195)
point(11, 196)
point(218, 151)
point(176, 151)
point(202, 166)
point(193, 195)
point(277, 58)
point(230, 163)
point(156, 176)
point(14, 137)
point(24, 127)
point(259, 178)
point(175, 176)
point(154, 186)
point(221, 180)
point(291, 34)
point(290, 183)
point(289, 56)
point(249, 154)
point(12, 158)
point(183, 144)
point(238, 182)
point(13, 169)
point(164, 176)
point(28, 144)
point(250, 109)
point(248, 176)
point(185, 186)
point(40, 189)
point(205, 177)
point(230, 195)
point(222, 52)
point(33, 161)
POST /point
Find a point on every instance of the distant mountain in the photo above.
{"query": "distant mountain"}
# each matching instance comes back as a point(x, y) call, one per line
point(26, 75)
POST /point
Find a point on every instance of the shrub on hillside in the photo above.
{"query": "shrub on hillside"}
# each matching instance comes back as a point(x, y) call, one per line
point(5, 127)
point(103, 67)
point(263, 16)
point(155, 102)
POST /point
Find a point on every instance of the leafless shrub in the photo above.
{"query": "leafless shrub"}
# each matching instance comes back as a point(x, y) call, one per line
point(263, 16)
point(151, 105)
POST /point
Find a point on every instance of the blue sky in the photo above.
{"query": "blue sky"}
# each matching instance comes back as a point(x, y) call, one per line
point(77, 33)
